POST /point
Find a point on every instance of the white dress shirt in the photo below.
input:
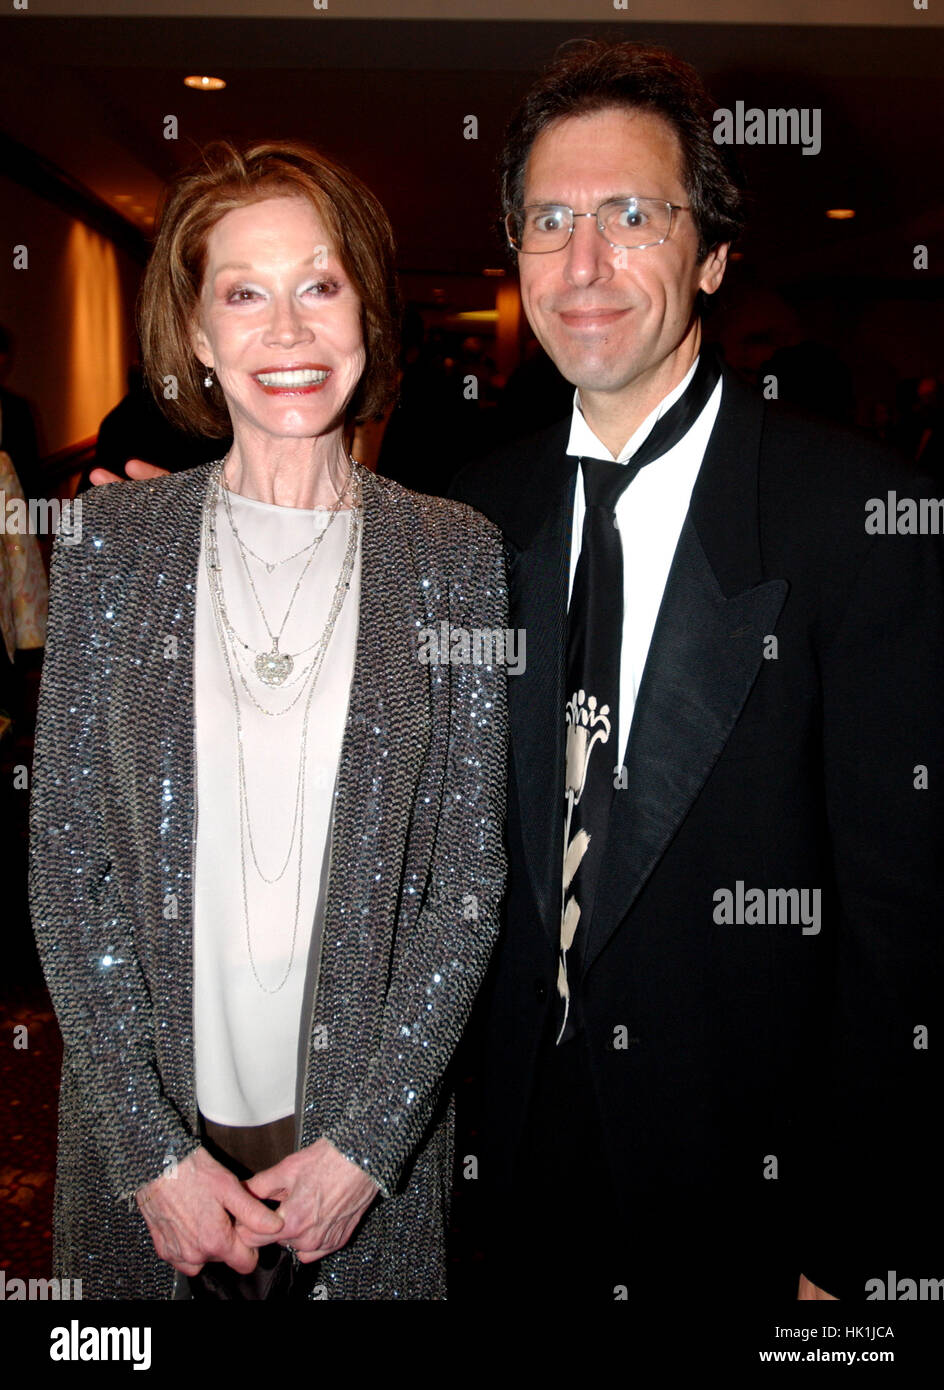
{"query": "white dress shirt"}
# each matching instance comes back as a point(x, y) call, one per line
point(649, 516)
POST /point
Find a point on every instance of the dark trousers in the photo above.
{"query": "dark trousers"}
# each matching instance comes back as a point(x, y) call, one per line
point(576, 1229)
point(562, 1226)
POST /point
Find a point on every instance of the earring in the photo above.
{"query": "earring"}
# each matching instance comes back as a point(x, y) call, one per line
point(208, 379)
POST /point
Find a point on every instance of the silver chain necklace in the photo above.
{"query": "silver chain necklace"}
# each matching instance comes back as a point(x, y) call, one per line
point(298, 817)
point(224, 623)
point(272, 666)
point(270, 565)
point(341, 588)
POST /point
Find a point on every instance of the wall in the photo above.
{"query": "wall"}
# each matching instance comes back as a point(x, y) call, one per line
point(70, 314)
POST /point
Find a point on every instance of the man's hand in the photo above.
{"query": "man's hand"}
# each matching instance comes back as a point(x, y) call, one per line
point(135, 468)
point(323, 1196)
point(189, 1216)
point(807, 1290)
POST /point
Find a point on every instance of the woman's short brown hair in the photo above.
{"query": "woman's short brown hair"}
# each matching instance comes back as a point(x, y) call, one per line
point(228, 177)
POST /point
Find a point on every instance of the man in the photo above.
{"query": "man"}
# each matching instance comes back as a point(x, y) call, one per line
point(709, 1065)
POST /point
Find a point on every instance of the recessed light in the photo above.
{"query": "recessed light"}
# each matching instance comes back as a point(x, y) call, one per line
point(840, 214)
point(205, 84)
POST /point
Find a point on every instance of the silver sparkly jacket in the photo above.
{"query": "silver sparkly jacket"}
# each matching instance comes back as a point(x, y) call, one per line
point(415, 878)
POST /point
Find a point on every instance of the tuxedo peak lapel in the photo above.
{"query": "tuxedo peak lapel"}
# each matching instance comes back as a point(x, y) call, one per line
point(538, 576)
point(706, 651)
point(725, 505)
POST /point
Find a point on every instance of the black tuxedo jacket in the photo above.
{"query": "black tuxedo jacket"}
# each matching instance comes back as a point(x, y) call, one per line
point(776, 1078)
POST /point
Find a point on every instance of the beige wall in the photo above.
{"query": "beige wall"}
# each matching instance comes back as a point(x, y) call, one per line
point(70, 314)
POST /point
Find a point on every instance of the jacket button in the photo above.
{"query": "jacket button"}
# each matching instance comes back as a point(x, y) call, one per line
point(540, 991)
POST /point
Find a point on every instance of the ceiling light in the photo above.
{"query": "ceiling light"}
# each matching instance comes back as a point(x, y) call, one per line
point(205, 84)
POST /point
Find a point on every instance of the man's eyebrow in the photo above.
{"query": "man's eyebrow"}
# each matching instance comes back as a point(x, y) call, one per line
point(607, 198)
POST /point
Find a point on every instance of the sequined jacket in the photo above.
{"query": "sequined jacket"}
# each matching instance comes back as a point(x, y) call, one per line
point(415, 876)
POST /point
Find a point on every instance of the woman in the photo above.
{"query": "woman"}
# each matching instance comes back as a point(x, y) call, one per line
point(266, 835)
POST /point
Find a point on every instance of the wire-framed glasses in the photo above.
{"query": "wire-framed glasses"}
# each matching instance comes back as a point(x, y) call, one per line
point(630, 222)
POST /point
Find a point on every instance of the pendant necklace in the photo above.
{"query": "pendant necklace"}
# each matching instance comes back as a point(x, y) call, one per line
point(224, 629)
point(273, 667)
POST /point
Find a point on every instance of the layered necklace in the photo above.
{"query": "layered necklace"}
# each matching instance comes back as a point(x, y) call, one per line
point(273, 667)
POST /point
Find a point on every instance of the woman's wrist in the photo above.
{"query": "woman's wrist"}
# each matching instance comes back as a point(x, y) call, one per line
point(146, 1191)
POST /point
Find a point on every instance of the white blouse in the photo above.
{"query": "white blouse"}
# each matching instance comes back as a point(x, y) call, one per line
point(246, 1023)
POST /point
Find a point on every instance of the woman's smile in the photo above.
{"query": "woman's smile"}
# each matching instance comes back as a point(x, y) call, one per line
point(291, 380)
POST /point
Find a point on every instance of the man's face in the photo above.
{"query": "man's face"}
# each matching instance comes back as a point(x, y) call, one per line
point(610, 317)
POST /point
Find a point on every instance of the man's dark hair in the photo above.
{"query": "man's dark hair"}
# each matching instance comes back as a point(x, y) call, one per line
point(588, 77)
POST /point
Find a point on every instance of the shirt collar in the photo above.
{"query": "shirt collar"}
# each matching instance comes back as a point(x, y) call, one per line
point(584, 443)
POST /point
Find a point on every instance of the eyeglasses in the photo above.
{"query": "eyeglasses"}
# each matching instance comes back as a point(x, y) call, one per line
point(630, 222)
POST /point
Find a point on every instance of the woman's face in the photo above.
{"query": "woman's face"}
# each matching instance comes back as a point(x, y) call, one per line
point(279, 320)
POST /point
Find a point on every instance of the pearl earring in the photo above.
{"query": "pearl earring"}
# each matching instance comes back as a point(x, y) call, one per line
point(208, 379)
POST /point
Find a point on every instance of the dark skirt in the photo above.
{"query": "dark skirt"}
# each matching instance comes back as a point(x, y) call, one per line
point(278, 1275)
